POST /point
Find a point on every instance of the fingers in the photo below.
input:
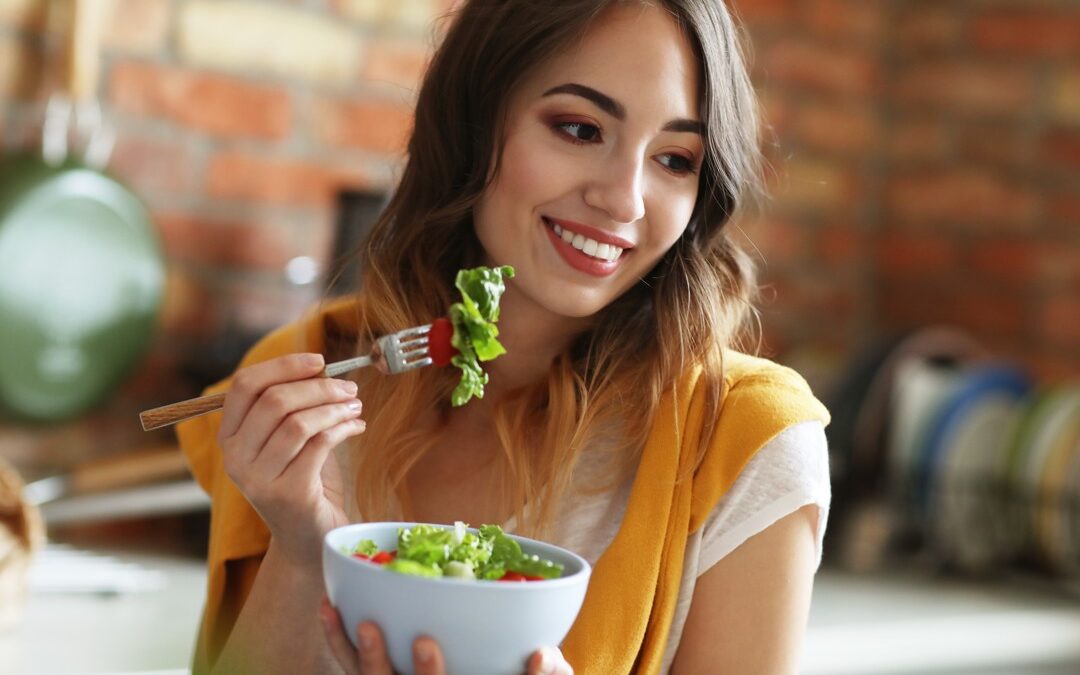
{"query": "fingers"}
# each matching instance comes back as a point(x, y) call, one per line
point(427, 657)
point(340, 646)
point(310, 461)
point(303, 434)
point(549, 661)
point(373, 657)
point(278, 406)
point(252, 381)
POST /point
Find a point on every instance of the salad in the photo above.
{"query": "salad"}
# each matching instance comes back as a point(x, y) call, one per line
point(431, 551)
point(475, 335)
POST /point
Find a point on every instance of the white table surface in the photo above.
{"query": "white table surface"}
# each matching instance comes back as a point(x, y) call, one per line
point(896, 625)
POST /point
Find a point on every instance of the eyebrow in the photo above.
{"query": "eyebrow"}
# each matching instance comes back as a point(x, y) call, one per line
point(617, 110)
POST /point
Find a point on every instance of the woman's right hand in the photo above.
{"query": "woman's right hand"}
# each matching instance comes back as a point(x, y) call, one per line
point(280, 423)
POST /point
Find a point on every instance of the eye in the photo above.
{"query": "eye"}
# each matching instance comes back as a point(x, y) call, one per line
point(579, 132)
point(678, 164)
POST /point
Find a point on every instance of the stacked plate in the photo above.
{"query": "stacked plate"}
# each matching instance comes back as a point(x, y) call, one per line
point(987, 468)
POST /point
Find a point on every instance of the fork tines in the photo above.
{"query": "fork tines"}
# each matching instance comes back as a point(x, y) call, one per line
point(407, 349)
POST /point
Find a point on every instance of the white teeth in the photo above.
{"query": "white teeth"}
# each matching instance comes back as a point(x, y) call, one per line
point(589, 247)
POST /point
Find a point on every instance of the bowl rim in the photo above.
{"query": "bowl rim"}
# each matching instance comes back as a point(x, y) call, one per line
point(549, 584)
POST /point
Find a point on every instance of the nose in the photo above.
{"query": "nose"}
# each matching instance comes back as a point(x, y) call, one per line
point(616, 189)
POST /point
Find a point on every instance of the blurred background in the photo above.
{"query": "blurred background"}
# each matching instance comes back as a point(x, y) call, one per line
point(920, 256)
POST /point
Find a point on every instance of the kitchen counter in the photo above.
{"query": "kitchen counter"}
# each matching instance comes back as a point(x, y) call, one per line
point(890, 624)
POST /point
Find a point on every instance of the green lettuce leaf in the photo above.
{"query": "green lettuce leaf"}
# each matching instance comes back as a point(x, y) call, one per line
point(475, 334)
point(365, 546)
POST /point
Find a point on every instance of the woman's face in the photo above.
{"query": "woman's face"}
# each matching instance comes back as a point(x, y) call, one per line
point(600, 162)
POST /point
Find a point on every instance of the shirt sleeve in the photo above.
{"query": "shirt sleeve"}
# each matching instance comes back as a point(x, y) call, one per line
point(786, 474)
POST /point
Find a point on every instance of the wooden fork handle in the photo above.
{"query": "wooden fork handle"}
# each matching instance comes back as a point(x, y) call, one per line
point(180, 411)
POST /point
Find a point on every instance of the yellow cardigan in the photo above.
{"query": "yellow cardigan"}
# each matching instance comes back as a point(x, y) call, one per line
point(624, 622)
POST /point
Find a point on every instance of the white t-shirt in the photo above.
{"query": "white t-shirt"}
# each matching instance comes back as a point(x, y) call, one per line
point(787, 473)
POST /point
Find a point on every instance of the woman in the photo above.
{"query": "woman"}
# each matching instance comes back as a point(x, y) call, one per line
point(599, 147)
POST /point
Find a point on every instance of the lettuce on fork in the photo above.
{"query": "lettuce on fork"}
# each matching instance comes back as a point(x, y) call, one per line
point(475, 334)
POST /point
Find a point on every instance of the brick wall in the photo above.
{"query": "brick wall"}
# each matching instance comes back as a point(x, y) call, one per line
point(927, 170)
point(239, 122)
point(925, 160)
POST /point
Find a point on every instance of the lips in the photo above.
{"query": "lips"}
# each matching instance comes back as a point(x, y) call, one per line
point(585, 248)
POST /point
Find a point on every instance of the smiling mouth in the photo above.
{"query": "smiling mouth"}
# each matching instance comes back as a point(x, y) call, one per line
point(602, 252)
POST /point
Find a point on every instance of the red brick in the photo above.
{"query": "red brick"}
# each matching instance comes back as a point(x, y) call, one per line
point(907, 304)
point(821, 67)
point(1064, 210)
point(862, 21)
point(919, 140)
point(962, 196)
point(1007, 145)
point(813, 184)
point(967, 87)
point(1009, 260)
point(902, 254)
point(764, 12)
point(1061, 149)
point(922, 27)
point(1059, 319)
point(235, 175)
point(400, 63)
point(990, 313)
point(1050, 368)
point(776, 240)
point(841, 246)
point(367, 125)
point(153, 166)
point(1058, 263)
point(1029, 33)
point(777, 113)
point(224, 243)
point(843, 129)
point(215, 104)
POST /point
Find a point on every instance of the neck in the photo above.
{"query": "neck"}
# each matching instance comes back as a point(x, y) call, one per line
point(533, 337)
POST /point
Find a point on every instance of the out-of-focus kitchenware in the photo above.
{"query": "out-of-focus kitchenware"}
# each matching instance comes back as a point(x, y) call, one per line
point(81, 273)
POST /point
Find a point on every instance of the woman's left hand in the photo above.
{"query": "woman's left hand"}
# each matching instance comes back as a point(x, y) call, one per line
point(372, 659)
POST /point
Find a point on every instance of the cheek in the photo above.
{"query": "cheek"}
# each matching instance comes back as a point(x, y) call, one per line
point(672, 218)
point(526, 175)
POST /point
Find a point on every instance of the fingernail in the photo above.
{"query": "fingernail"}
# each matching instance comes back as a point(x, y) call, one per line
point(348, 387)
point(424, 653)
point(367, 640)
point(354, 406)
point(313, 360)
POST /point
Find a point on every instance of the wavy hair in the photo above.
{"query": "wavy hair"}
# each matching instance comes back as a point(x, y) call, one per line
point(686, 311)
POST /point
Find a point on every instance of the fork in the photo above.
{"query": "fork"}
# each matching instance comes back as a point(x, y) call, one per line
point(396, 352)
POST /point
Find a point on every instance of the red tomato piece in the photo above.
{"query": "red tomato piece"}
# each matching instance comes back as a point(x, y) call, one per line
point(439, 341)
point(511, 575)
point(361, 556)
point(383, 557)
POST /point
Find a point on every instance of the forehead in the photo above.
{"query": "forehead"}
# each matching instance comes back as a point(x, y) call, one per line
point(637, 54)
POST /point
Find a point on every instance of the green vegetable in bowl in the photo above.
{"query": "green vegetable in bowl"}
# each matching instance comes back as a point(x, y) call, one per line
point(430, 551)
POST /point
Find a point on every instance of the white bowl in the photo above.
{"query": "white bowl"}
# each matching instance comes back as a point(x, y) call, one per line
point(482, 627)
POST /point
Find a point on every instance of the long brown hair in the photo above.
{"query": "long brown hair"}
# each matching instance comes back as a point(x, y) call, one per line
point(686, 311)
